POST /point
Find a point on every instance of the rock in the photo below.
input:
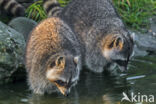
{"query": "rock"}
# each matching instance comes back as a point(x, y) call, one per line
point(12, 46)
point(139, 52)
point(153, 26)
point(22, 25)
point(146, 42)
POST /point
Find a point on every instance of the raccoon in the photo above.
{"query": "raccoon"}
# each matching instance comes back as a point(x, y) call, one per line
point(102, 32)
point(53, 57)
point(12, 7)
point(105, 37)
point(52, 7)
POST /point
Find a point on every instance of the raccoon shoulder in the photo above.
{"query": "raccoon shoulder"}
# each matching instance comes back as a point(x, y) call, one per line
point(12, 7)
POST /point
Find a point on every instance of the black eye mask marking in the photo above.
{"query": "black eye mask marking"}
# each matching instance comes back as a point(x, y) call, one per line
point(61, 83)
point(64, 84)
point(121, 62)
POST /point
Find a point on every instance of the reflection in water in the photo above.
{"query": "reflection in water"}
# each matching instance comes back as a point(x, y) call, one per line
point(92, 88)
point(136, 77)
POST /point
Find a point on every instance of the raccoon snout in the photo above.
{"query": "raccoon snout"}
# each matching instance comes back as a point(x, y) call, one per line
point(122, 64)
point(64, 91)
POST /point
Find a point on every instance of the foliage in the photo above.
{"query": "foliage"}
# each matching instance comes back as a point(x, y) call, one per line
point(135, 13)
point(63, 2)
point(36, 11)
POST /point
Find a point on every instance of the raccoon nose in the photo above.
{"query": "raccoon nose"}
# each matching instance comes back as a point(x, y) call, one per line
point(66, 93)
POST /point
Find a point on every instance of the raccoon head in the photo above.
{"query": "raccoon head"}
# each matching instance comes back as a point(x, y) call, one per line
point(64, 72)
point(118, 49)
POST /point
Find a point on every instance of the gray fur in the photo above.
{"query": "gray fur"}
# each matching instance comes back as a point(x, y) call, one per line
point(93, 20)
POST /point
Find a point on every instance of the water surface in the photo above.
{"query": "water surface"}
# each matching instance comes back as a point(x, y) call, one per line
point(93, 88)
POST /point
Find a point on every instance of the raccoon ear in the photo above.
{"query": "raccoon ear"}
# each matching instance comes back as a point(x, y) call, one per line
point(111, 44)
point(60, 62)
point(132, 36)
point(119, 43)
point(76, 59)
point(52, 64)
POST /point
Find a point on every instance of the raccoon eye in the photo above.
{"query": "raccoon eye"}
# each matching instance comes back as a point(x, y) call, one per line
point(61, 83)
point(121, 63)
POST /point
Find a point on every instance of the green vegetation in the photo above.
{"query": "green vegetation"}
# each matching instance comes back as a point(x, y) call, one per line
point(36, 11)
point(63, 2)
point(135, 13)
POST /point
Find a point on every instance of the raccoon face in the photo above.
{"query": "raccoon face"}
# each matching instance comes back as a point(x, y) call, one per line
point(64, 73)
point(118, 49)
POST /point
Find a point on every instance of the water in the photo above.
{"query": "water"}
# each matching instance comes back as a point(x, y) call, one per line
point(93, 88)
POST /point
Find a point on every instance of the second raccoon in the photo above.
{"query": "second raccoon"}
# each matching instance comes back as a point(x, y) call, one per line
point(101, 31)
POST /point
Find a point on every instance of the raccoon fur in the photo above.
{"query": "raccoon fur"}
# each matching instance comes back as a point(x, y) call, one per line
point(52, 7)
point(53, 57)
point(101, 31)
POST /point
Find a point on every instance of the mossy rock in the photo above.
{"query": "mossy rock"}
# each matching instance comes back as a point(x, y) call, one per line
point(12, 46)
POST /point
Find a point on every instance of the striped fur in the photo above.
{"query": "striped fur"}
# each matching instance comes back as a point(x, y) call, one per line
point(52, 7)
point(12, 7)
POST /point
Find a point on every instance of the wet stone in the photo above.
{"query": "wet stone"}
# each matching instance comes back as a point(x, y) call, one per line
point(12, 45)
